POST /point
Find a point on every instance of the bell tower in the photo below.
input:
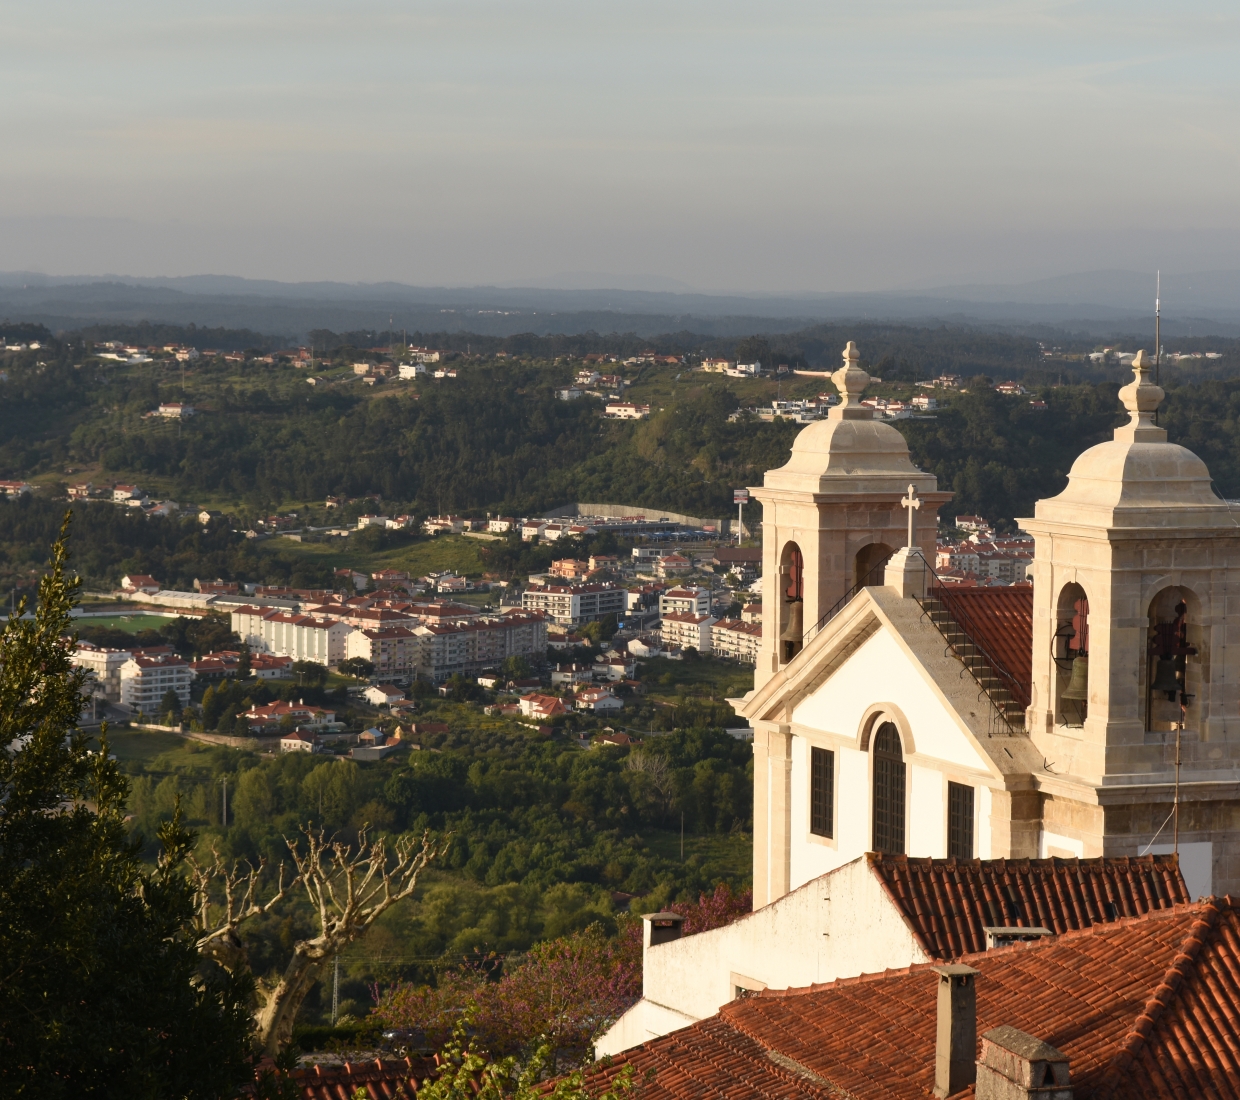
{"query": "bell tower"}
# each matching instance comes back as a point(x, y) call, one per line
point(1136, 650)
point(831, 517)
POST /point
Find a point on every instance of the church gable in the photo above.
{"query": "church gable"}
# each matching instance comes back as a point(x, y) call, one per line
point(883, 676)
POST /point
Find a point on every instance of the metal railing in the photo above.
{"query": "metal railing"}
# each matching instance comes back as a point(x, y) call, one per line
point(873, 577)
point(1003, 695)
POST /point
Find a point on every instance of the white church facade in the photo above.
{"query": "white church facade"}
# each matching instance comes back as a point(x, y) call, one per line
point(893, 715)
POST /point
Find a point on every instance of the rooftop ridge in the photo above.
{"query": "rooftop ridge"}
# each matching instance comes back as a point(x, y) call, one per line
point(1173, 912)
point(1177, 974)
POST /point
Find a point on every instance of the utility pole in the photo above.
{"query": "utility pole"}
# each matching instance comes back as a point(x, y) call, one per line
point(682, 836)
point(336, 991)
point(224, 819)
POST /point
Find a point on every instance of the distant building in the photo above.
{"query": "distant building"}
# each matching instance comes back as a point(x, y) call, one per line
point(139, 582)
point(176, 410)
point(145, 680)
point(736, 640)
point(685, 630)
point(696, 601)
point(575, 604)
point(626, 410)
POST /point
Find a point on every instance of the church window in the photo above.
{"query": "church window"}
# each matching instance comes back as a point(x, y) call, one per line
point(821, 792)
point(959, 821)
point(889, 773)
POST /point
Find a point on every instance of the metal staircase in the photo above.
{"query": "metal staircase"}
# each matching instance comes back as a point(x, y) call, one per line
point(1007, 712)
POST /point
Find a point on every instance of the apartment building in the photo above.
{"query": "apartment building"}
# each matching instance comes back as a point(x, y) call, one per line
point(301, 637)
point(694, 600)
point(105, 668)
point(393, 650)
point(684, 630)
point(574, 604)
point(470, 647)
point(146, 680)
point(736, 640)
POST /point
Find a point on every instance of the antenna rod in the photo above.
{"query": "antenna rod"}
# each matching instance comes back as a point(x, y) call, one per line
point(1157, 327)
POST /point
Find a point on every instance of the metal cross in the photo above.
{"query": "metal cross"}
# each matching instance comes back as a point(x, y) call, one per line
point(910, 502)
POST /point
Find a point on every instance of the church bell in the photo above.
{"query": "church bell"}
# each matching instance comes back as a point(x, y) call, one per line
point(794, 633)
point(1164, 677)
point(1078, 686)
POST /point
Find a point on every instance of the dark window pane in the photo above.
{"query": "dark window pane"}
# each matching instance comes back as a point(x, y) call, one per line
point(821, 791)
point(959, 821)
point(888, 790)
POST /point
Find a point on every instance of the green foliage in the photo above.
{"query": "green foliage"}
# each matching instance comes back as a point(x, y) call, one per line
point(357, 667)
point(466, 1073)
point(103, 991)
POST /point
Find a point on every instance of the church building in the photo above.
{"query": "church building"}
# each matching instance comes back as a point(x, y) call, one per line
point(1090, 721)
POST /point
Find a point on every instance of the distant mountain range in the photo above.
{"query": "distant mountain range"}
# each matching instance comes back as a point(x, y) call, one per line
point(1104, 303)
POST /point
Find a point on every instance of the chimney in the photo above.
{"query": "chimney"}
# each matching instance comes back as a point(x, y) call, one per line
point(955, 1052)
point(1016, 1066)
point(661, 927)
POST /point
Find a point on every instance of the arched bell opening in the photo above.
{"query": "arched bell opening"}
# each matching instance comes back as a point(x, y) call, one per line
point(792, 602)
point(889, 789)
point(1171, 672)
point(1070, 652)
point(867, 562)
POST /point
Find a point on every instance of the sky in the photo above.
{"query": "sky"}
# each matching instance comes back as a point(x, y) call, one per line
point(759, 147)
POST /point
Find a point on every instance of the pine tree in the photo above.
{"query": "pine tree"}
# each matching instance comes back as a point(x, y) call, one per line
point(103, 991)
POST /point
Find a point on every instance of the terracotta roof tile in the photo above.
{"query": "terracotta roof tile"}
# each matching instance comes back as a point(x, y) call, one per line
point(383, 1079)
point(947, 902)
point(1145, 1006)
point(1000, 620)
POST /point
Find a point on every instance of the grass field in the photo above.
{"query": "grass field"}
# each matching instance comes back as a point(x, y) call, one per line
point(435, 555)
point(143, 746)
point(131, 623)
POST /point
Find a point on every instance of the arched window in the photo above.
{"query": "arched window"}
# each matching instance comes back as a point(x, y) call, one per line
point(1172, 672)
point(1070, 650)
point(888, 790)
point(869, 559)
point(792, 611)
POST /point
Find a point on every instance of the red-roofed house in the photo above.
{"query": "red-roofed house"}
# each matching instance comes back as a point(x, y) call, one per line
point(542, 706)
point(270, 715)
point(884, 912)
point(1141, 1007)
point(146, 679)
point(139, 582)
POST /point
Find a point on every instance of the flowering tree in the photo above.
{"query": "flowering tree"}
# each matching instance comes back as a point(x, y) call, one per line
point(564, 992)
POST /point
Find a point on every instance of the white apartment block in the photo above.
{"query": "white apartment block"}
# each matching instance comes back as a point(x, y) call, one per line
point(411, 370)
point(392, 650)
point(694, 600)
point(301, 637)
point(146, 680)
point(736, 640)
point(105, 667)
point(574, 604)
point(684, 630)
point(468, 648)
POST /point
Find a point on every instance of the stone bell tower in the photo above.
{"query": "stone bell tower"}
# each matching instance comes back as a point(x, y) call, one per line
point(1136, 644)
point(831, 517)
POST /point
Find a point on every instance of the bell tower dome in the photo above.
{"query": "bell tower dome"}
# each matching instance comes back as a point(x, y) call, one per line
point(831, 516)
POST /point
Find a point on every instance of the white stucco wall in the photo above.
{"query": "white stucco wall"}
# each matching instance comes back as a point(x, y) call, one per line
point(840, 925)
point(881, 672)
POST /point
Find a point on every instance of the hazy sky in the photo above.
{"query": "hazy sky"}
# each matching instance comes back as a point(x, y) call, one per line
point(762, 146)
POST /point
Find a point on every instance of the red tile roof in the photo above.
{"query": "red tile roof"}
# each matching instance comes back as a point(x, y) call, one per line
point(1000, 620)
point(1142, 1007)
point(947, 902)
point(383, 1080)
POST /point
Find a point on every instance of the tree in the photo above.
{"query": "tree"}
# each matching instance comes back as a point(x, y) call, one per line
point(103, 991)
point(348, 889)
point(357, 667)
point(310, 673)
point(244, 670)
point(170, 706)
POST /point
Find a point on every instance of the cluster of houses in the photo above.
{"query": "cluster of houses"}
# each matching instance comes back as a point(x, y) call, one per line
point(125, 496)
point(983, 559)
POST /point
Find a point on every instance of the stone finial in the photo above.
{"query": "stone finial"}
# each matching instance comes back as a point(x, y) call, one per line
point(851, 381)
point(1141, 398)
